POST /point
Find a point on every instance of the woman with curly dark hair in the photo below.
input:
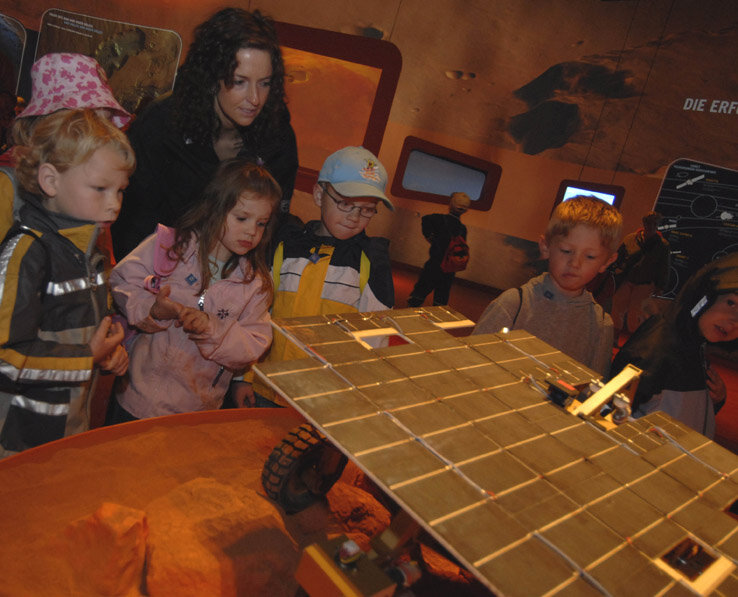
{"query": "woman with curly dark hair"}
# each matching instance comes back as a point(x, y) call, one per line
point(228, 100)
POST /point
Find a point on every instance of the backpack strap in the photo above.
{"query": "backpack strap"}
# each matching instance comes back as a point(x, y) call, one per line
point(520, 304)
point(32, 233)
point(26, 230)
point(364, 267)
point(277, 264)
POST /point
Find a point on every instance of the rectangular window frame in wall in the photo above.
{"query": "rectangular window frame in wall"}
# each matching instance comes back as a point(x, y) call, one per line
point(360, 50)
point(492, 173)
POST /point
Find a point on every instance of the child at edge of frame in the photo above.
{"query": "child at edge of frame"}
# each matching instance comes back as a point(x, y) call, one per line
point(55, 332)
point(580, 241)
point(205, 317)
point(672, 348)
point(439, 230)
point(330, 265)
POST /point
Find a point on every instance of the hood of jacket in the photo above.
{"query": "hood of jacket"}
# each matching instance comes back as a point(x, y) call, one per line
point(81, 233)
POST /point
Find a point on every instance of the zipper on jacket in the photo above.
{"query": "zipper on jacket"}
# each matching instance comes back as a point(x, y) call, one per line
point(201, 306)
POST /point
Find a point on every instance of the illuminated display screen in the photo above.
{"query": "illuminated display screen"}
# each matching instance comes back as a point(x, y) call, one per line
point(612, 194)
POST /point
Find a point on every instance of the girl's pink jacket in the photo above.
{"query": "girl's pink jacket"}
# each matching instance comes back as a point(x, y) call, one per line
point(169, 372)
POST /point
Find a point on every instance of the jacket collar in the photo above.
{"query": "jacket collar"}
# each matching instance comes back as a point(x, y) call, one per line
point(310, 233)
point(552, 292)
point(192, 254)
point(81, 233)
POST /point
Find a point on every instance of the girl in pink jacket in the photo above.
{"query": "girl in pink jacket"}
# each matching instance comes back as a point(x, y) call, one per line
point(199, 295)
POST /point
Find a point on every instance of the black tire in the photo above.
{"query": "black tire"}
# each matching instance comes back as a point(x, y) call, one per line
point(301, 469)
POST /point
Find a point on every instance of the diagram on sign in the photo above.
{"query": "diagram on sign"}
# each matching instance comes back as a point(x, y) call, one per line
point(699, 205)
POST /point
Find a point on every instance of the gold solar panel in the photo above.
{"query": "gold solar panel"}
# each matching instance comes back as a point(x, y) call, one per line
point(530, 498)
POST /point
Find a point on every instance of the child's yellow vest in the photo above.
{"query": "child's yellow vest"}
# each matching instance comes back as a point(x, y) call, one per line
point(305, 302)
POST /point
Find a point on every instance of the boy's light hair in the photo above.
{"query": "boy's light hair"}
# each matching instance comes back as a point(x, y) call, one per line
point(589, 211)
point(66, 139)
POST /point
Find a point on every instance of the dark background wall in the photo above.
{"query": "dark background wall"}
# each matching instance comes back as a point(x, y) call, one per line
point(584, 89)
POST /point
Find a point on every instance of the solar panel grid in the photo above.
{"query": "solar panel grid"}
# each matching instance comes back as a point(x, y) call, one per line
point(583, 482)
point(414, 365)
point(477, 405)
point(537, 504)
point(463, 358)
point(652, 541)
point(622, 464)
point(704, 521)
point(338, 406)
point(729, 546)
point(556, 421)
point(466, 531)
point(345, 352)
point(504, 478)
point(461, 444)
point(529, 567)
point(582, 538)
point(439, 495)
point(396, 394)
point(728, 587)
point(366, 373)
point(722, 494)
point(716, 456)
point(445, 384)
point(365, 435)
point(624, 512)
point(628, 571)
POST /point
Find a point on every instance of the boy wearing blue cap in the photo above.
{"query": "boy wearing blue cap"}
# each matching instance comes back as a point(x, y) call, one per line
point(330, 265)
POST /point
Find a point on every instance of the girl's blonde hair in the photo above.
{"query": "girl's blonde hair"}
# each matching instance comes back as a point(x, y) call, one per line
point(588, 211)
point(66, 139)
point(206, 220)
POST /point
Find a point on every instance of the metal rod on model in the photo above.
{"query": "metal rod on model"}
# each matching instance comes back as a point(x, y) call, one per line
point(597, 400)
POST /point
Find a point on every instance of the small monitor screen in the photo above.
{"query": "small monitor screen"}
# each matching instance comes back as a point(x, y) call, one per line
point(613, 194)
point(576, 192)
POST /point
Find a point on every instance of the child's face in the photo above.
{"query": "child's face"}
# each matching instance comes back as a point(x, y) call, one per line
point(574, 260)
point(243, 102)
point(720, 322)
point(90, 191)
point(244, 226)
point(335, 220)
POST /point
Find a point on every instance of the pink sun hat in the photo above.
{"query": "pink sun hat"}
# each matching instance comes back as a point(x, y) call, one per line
point(71, 82)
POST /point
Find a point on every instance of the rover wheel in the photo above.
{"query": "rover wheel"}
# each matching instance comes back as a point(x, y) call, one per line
point(301, 469)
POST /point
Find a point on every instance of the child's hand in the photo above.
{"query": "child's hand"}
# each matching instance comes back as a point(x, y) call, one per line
point(104, 340)
point(716, 386)
point(117, 362)
point(193, 321)
point(149, 326)
point(243, 394)
point(164, 307)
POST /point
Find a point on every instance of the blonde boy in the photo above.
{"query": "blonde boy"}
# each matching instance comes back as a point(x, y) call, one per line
point(581, 240)
point(320, 266)
point(54, 334)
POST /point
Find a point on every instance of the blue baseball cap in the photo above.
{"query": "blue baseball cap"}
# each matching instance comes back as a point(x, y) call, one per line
point(356, 172)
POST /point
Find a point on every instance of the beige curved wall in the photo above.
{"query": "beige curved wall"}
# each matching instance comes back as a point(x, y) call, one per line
point(462, 64)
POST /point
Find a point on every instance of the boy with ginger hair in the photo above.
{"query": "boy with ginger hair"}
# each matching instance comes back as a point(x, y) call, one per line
point(581, 240)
